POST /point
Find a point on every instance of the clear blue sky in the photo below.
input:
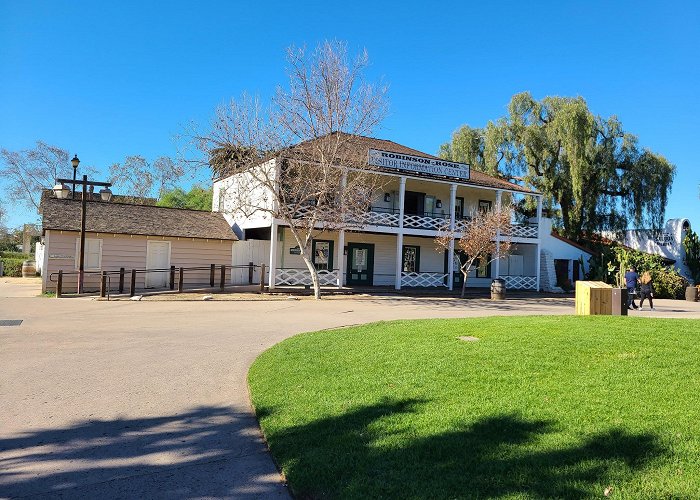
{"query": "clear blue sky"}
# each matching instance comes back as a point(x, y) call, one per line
point(110, 79)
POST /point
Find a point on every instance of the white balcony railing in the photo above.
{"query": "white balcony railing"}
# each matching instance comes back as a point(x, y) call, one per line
point(390, 218)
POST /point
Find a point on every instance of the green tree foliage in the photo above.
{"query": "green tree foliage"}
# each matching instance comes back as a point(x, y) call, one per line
point(612, 261)
point(197, 198)
point(691, 244)
point(594, 175)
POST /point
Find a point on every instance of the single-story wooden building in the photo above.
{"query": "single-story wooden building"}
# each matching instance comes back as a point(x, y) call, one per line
point(131, 236)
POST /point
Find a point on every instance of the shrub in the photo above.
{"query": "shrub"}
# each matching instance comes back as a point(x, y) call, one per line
point(16, 255)
point(12, 267)
point(668, 284)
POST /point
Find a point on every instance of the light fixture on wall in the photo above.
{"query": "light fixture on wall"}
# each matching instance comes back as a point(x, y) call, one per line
point(387, 197)
point(438, 204)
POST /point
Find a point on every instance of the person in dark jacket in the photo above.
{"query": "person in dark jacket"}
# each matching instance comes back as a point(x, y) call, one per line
point(647, 291)
point(631, 279)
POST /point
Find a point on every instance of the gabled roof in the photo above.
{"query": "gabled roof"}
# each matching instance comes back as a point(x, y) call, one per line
point(126, 218)
point(357, 146)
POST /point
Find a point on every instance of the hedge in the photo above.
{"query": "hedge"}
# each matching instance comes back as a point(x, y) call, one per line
point(12, 267)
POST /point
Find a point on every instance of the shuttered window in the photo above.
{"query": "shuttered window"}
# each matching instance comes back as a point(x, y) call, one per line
point(93, 254)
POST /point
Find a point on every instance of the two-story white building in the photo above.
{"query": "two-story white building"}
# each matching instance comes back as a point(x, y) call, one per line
point(395, 244)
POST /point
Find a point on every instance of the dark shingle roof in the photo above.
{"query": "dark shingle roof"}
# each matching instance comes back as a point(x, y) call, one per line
point(125, 218)
point(358, 145)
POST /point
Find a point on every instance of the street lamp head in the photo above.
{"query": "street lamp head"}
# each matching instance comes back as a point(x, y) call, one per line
point(61, 191)
point(75, 161)
point(106, 194)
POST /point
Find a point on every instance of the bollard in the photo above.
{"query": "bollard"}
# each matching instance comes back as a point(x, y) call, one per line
point(262, 277)
point(132, 292)
point(181, 281)
point(121, 280)
point(59, 285)
point(222, 282)
point(172, 277)
point(103, 284)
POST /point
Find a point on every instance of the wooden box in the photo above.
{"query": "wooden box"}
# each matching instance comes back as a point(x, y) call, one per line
point(593, 297)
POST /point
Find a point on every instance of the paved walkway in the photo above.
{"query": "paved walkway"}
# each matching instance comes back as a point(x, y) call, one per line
point(149, 399)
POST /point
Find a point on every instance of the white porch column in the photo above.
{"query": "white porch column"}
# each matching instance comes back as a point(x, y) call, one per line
point(273, 254)
point(340, 260)
point(539, 241)
point(341, 236)
point(451, 249)
point(399, 236)
point(499, 193)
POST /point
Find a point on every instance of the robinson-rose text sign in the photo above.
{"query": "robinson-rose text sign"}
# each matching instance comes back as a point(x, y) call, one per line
point(418, 164)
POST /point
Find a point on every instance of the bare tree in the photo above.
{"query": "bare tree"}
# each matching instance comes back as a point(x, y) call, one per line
point(479, 241)
point(3, 215)
point(30, 171)
point(141, 179)
point(301, 160)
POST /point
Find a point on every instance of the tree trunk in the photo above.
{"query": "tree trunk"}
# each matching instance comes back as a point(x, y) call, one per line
point(465, 275)
point(306, 255)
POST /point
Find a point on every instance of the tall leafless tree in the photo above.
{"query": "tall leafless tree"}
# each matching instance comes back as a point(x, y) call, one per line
point(313, 130)
point(28, 172)
point(139, 178)
point(479, 240)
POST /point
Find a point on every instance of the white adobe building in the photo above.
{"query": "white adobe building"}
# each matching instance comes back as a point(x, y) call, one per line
point(395, 246)
point(668, 242)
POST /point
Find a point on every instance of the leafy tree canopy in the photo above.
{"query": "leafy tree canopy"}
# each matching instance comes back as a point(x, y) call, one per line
point(594, 175)
point(197, 198)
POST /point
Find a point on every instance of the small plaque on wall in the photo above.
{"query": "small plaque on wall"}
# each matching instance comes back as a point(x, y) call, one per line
point(295, 250)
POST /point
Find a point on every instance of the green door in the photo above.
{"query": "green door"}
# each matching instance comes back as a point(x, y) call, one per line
point(360, 264)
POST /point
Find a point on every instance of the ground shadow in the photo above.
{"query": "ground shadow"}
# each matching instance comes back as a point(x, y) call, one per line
point(204, 452)
point(353, 456)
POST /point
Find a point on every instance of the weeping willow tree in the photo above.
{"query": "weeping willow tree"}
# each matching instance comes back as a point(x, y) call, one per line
point(593, 174)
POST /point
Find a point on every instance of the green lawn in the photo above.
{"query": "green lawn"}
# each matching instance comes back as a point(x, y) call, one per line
point(559, 407)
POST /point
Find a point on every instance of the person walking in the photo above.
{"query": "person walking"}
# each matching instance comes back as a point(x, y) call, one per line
point(647, 291)
point(631, 279)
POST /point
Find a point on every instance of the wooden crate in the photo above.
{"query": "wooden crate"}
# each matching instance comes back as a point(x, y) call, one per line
point(593, 297)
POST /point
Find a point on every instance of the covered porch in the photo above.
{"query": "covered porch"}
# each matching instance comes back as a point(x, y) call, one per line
point(364, 259)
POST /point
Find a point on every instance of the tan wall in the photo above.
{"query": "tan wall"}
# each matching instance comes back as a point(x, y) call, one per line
point(129, 252)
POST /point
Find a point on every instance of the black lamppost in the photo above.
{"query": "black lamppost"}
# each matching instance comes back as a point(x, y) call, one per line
point(75, 162)
point(61, 192)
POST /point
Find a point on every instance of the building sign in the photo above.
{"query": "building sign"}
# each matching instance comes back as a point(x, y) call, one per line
point(418, 164)
point(295, 250)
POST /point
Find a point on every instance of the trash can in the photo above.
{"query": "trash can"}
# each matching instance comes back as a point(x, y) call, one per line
point(28, 269)
point(498, 289)
point(691, 293)
point(619, 302)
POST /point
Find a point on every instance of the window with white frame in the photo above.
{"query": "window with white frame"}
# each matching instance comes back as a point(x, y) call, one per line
point(93, 254)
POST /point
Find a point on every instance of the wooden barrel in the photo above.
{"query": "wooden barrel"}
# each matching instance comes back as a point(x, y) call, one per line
point(691, 293)
point(28, 269)
point(498, 289)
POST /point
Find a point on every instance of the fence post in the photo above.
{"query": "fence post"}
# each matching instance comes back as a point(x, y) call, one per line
point(121, 280)
point(181, 281)
point(172, 277)
point(251, 268)
point(212, 272)
point(103, 284)
point(222, 283)
point(59, 284)
point(262, 277)
point(132, 292)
